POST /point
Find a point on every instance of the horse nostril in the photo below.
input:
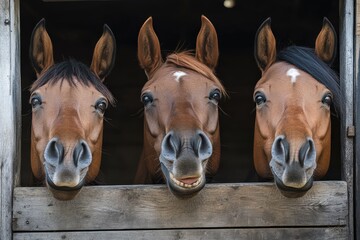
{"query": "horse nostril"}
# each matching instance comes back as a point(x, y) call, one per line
point(280, 150)
point(54, 152)
point(307, 154)
point(82, 155)
point(170, 146)
point(203, 146)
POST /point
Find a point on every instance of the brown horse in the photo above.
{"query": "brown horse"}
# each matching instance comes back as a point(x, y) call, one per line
point(68, 102)
point(181, 96)
point(293, 101)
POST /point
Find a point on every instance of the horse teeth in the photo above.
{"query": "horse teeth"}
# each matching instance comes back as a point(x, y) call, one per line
point(185, 185)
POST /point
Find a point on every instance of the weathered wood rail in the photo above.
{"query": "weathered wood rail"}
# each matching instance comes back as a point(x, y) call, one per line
point(241, 210)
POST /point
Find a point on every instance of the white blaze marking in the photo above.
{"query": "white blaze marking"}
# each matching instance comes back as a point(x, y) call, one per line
point(178, 75)
point(293, 73)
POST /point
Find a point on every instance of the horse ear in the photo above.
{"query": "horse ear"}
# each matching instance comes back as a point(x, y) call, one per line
point(41, 49)
point(326, 43)
point(149, 53)
point(265, 46)
point(104, 54)
point(207, 50)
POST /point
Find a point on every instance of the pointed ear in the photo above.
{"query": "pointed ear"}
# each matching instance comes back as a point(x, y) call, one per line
point(149, 52)
point(104, 54)
point(41, 49)
point(207, 49)
point(265, 46)
point(326, 43)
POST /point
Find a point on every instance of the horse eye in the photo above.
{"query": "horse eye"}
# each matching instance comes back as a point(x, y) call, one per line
point(35, 101)
point(259, 98)
point(101, 106)
point(147, 99)
point(327, 99)
point(215, 95)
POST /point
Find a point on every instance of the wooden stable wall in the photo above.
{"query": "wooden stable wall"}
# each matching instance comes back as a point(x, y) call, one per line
point(220, 211)
point(10, 114)
point(357, 119)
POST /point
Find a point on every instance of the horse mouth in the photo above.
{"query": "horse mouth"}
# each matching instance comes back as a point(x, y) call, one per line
point(183, 189)
point(292, 192)
point(63, 192)
point(194, 182)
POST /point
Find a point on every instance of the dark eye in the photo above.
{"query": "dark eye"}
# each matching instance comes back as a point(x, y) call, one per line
point(327, 99)
point(147, 99)
point(259, 98)
point(35, 101)
point(215, 95)
point(101, 106)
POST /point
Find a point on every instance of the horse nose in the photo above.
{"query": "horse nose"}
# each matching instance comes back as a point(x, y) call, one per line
point(202, 145)
point(54, 152)
point(82, 155)
point(170, 146)
point(280, 150)
point(307, 154)
point(199, 143)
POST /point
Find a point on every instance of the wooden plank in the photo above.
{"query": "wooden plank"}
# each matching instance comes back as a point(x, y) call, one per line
point(357, 30)
point(346, 52)
point(154, 207)
point(10, 117)
point(336, 233)
point(357, 123)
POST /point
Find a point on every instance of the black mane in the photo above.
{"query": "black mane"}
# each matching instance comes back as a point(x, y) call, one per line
point(70, 70)
point(306, 60)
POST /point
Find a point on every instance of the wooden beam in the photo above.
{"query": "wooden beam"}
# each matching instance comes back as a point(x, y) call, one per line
point(154, 207)
point(10, 117)
point(357, 124)
point(336, 233)
point(346, 52)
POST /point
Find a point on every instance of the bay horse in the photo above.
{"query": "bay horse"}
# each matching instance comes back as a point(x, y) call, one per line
point(181, 127)
point(294, 98)
point(68, 101)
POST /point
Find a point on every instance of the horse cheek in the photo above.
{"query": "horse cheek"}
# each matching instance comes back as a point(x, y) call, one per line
point(96, 133)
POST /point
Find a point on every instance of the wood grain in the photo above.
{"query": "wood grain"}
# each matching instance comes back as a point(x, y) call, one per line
point(337, 233)
point(10, 116)
point(154, 207)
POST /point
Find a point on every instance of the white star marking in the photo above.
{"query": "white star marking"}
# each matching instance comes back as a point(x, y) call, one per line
point(293, 73)
point(178, 75)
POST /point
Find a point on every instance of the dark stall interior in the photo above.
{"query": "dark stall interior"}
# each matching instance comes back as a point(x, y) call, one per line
point(75, 26)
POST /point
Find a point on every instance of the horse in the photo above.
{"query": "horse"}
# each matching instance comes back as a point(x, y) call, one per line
point(294, 99)
point(68, 101)
point(181, 128)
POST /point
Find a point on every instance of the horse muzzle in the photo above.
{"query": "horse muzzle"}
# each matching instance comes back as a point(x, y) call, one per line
point(292, 192)
point(62, 192)
point(184, 156)
point(66, 169)
point(293, 175)
point(183, 188)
